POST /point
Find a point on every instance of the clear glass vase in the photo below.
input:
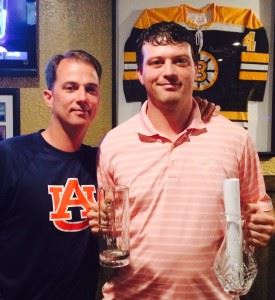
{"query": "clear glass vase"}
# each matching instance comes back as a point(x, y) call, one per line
point(235, 265)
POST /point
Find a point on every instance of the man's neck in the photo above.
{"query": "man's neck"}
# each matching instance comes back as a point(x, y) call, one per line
point(64, 140)
point(169, 120)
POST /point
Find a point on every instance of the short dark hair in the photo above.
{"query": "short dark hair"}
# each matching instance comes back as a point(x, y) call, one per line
point(81, 55)
point(164, 33)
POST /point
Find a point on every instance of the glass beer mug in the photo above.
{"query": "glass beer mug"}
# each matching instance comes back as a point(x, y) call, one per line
point(114, 223)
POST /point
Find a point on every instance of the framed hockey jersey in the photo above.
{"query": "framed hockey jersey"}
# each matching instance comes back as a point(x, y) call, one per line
point(234, 60)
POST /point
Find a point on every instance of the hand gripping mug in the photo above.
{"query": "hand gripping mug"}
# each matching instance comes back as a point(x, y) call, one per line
point(114, 223)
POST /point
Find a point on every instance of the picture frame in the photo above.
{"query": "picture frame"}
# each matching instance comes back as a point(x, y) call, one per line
point(262, 123)
point(9, 113)
point(271, 153)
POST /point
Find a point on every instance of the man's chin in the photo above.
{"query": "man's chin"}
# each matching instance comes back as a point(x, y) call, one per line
point(170, 101)
point(80, 122)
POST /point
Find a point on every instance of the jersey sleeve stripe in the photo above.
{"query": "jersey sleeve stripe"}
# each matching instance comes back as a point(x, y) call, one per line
point(244, 75)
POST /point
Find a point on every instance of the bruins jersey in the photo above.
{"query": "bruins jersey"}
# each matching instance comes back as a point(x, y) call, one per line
point(233, 64)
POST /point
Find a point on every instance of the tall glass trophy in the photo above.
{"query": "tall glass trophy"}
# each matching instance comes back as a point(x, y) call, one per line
point(235, 265)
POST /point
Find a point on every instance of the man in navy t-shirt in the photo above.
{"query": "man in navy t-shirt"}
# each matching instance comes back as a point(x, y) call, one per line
point(47, 183)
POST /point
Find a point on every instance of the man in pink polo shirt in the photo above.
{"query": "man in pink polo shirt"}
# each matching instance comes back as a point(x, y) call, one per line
point(174, 165)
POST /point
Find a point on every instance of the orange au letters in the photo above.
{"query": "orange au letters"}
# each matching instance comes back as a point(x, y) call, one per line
point(70, 195)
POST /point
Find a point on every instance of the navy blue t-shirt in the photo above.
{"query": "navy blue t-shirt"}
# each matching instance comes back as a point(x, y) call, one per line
point(46, 248)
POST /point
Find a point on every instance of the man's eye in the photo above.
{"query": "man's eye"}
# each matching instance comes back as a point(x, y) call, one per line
point(182, 61)
point(91, 90)
point(69, 88)
point(155, 63)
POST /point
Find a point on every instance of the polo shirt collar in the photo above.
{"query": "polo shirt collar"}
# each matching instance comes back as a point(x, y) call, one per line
point(146, 128)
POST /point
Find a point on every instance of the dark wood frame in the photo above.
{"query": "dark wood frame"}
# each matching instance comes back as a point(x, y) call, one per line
point(267, 155)
point(114, 66)
point(16, 107)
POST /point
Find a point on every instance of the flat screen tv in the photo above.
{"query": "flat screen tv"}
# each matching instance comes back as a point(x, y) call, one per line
point(18, 38)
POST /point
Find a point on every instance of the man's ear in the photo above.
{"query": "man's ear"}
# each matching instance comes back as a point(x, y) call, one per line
point(139, 76)
point(48, 97)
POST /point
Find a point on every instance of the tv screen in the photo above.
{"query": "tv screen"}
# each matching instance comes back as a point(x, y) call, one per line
point(18, 40)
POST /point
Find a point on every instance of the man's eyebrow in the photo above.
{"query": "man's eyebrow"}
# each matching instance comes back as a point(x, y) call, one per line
point(92, 83)
point(69, 82)
point(75, 83)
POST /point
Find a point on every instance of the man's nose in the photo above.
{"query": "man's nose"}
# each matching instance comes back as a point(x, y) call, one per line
point(169, 69)
point(82, 94)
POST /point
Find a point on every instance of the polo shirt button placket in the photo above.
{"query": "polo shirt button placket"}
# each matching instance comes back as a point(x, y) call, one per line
point(172, 166)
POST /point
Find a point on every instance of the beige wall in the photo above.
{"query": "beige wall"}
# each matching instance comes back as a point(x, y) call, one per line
point(269, 166)
point(68, 24)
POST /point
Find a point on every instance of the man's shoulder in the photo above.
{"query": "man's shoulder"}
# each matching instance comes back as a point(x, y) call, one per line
point(125, 127)
point(87, 149)
point(16, 152)
point(18, 141)
point(121, 136)
point(225, 132)
point(88, 154)
point(21, 147)
point(221, 123)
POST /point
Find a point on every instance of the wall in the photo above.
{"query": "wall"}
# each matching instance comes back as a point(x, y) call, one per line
point(63, 24)
point(268, 165)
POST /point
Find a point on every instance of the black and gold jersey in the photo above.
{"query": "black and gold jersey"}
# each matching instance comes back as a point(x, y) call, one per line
point(234, 57)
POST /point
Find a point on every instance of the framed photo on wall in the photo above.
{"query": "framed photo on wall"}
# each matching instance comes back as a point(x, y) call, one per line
point(9, 113)
point(261, 113)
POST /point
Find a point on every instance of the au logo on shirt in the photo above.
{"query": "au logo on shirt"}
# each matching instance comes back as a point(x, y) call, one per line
point(65, 198)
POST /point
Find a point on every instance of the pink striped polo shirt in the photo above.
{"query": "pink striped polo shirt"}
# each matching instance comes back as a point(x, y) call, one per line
point(176, 203)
